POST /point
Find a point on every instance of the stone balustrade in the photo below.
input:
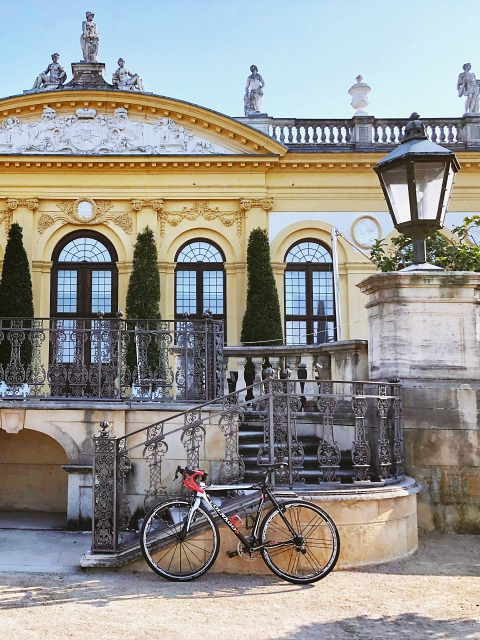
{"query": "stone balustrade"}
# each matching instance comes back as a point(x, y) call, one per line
point(364, 133)
point(343, 360)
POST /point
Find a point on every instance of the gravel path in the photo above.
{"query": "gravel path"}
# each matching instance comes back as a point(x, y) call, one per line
point(432, 595)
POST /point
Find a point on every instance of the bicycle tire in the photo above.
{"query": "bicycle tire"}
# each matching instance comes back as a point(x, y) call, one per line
point(164, 552)
point(315, 552)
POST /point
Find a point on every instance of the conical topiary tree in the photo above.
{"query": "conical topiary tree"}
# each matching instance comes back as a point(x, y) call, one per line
point(143, 293)
point(262, 323)
point(16, 294)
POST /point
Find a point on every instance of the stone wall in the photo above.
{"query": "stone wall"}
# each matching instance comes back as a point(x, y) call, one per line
point(424, 327)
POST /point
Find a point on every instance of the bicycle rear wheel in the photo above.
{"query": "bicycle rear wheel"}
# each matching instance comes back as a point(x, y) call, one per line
point(168, 555)
point(310, 552)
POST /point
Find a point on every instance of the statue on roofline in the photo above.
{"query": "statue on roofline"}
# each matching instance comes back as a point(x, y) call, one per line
point(53, 76)
point(468, 86)
point(90, 38)
point(125, 80)
point(253, 92)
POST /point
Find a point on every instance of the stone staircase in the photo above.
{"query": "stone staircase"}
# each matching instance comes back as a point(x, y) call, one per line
point(251, 437)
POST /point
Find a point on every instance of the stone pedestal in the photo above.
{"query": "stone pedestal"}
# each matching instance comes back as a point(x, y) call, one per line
point(260, 121)
point(363, 130)
point(471, 130)
point(88, 75)
point(424, 327)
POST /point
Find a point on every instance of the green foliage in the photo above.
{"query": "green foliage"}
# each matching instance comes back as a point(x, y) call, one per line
point(16, 294)
point(452, 255)
point(143, 293)
point(262, 322)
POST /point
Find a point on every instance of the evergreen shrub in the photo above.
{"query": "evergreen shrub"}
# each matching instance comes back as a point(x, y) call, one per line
point(16, 294)
point(143, 293)
point(262, 323)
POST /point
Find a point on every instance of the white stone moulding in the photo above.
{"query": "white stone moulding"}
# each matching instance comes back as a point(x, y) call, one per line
point(87, 133)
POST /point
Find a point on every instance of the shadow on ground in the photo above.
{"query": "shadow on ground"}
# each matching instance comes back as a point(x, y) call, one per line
point(404, 627)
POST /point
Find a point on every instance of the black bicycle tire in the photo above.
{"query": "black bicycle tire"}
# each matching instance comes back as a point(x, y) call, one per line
point(146, 553)
point(332, 561)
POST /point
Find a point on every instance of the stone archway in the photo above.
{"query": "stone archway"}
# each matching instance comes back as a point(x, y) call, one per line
point(31, 474)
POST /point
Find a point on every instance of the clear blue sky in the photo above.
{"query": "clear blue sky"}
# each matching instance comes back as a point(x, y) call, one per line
point(308, 51)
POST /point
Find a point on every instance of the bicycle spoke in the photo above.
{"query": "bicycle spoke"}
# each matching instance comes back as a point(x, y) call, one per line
point(309, 554)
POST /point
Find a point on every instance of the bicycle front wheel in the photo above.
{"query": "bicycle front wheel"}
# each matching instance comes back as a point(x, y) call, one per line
point(303, 542)
point(164, 549)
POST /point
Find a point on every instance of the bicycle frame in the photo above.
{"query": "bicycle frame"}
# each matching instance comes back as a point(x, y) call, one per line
point(252, 544)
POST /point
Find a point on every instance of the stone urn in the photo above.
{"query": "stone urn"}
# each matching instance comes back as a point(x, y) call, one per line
point(359, 93)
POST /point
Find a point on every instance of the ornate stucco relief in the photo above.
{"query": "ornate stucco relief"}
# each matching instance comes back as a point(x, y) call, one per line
point(6, 216)
point(85, 211)
point(197, 210)
point(86, 132)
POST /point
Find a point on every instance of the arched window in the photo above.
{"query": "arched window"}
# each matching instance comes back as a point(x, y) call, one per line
point(200, 280)
point(84, 276)
point(309, 302)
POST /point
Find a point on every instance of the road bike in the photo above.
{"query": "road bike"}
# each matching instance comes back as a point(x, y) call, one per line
point(296, 539)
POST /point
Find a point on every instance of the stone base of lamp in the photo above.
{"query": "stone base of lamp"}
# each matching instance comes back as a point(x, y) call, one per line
point(424, 328)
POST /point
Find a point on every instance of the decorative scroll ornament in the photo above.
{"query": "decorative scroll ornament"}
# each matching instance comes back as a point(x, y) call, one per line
point(156, 205)
point(85, 211)
point(87, 132)
point(30, 203)
point(264, 204)
point(199, 209)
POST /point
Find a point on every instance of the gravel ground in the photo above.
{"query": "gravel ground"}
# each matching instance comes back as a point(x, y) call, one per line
point(434, 594)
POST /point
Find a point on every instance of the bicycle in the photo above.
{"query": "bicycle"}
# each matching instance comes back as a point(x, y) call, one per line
point(180, 539)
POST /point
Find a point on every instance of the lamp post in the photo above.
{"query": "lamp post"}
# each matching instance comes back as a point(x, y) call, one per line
point(417, 179)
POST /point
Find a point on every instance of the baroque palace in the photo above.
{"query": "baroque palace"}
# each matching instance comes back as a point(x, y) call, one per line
point(87, 164)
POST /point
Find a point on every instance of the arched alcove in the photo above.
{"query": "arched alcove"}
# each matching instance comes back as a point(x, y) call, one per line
point(31, 474)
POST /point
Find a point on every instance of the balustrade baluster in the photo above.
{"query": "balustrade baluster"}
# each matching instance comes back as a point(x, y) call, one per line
point(442, 133)
point(299, 134)
point(393, 137)
point(290, 133)
point(339, 135)
point(282, 134)
point(433, 133)
point(384, 134)
point(348, 134)
point(331, 138)
point(273, 132)
point(307, 134)
point(315, 134)
point(376, 137)
point(324, 134)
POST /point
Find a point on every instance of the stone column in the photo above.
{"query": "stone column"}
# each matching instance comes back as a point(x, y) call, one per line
point(424, 328)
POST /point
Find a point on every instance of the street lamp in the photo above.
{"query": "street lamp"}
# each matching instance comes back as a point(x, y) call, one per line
point(417, 179)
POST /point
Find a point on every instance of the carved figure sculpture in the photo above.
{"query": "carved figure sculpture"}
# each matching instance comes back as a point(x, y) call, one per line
point(53, 76)
point(125, 80)
point(89, 40)
point(468, 86)
point(254, 92)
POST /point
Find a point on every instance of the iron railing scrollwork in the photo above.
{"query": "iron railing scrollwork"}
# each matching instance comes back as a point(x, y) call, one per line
point(111, 359)
point(293, 416)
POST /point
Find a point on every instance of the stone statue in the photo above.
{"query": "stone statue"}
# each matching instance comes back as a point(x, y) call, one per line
point(125, 80)
point(468, 86)
point(53, 76)
point(254, 92)
point(89, 40)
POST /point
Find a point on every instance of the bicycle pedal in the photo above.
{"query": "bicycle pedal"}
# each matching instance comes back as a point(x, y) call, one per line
point(232, 554)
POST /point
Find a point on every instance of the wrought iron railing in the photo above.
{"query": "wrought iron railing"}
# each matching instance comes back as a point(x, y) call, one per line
point(335, 134)
point(327, 434)
point(111, 359)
